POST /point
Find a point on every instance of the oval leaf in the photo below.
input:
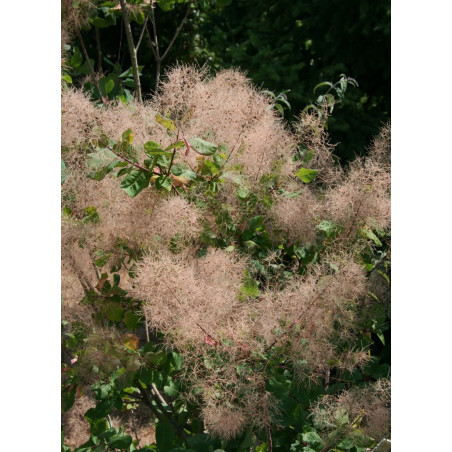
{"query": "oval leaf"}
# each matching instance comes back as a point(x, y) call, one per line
point(136, 181)
point(166, 122)
point(202, 147)
point(306, 175)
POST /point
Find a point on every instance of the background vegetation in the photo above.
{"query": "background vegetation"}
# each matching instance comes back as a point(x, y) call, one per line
point(225, 273)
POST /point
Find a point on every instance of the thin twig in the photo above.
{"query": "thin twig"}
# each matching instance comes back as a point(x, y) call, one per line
point(267, 420)
point(151, 42)
point(129, 161)
point(179, 28)
point(99, 51)
point(91, 70)
point(178, 430)
point(143, 29)
point(134, 429)
point(157, 393)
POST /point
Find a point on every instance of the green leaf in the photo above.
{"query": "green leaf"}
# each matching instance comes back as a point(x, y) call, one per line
point(313, 439)
point(367, 233)
point(102, 162)
point(114, 312)
point(164, 435)
point(156, 358)
point(308, 156)
point(120, 441)
point(329, 84)
point(250, 287)
point(177, 360)
point(171, 389)
point(135, 182)
point(127, 136)
point(139, 17)
point(101, 257)
point(64, 173)
point(180, 170)
point(154, 149)
point(329, 228)
point(131, 320)
point(76, 59)
point(106, 84)
point(306, 175)
point(91, 215)
point(163, 182)
point(166, 122)
point(166, 5)
point(176, 145)
point(242, 193)
point(67, 78)
point(202, 147)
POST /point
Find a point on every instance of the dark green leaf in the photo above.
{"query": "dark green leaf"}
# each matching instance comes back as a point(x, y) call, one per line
point(156, 358)
point(120, 441)
point(164, 435)
point(76, 59)
point(131, 320)
point(114, 312)
point(135, 182)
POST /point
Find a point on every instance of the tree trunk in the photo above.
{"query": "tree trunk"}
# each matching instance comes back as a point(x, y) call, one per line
point(132, 50)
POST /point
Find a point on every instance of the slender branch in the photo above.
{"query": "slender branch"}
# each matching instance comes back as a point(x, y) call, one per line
point(148, 401)
point(132, 51)
point(179, 28)
point(134, 429)
point(120, 40)
point(157, 393)
point(157, 51)
point(174, 153)
point(129, 161)
point(143, 29)
point(294, 322)
point(147, 326)
point(99, 51)
point(151, 42)
point(177, 429)
point(267, 420)
point(91, 70)
point(154, 30)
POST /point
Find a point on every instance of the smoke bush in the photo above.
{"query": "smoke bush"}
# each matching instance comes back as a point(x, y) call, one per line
point(238, 264)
